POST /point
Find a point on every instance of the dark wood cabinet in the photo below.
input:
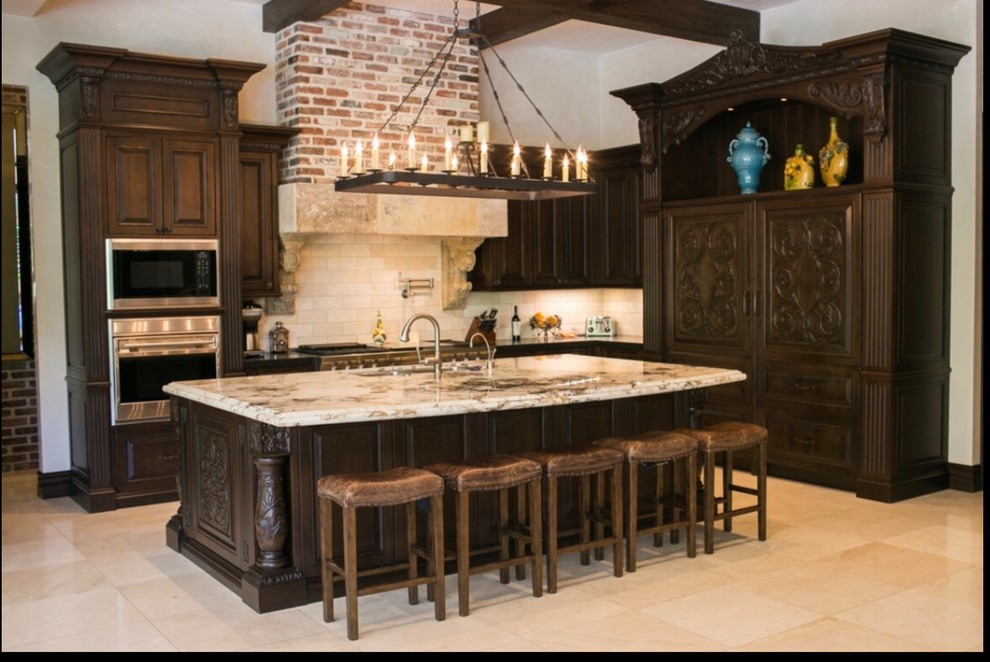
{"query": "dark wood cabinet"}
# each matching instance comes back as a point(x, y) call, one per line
point(148, 147)
point(161, 186)
point(568, 243)
point(617, 243)
point(770, 287)
point(260, 147)
point(546, 247)
point(145, 461)
point(834, 301)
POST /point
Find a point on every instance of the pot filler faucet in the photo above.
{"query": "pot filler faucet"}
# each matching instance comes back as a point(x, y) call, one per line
point(404, 337)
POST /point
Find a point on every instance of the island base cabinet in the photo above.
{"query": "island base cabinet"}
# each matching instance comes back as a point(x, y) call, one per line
point(249, 514)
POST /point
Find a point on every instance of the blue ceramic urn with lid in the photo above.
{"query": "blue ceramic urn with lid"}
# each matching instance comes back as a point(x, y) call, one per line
point(748, 153)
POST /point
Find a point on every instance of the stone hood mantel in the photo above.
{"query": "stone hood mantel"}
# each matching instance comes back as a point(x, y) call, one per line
point(307, 210)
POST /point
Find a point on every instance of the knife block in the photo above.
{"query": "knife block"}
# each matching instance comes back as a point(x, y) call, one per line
point(476, 327)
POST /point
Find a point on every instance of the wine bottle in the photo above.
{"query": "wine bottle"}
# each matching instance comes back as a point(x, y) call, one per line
point(516, 324)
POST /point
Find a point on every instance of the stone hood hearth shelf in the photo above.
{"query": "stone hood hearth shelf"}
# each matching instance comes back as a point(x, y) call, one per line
point(308, 210)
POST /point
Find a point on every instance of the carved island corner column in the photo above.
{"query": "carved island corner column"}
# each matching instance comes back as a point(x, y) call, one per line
point(272, 582)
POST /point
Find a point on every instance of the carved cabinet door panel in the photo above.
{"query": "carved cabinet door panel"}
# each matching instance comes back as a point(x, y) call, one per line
point(805, 299)
point(708, 297)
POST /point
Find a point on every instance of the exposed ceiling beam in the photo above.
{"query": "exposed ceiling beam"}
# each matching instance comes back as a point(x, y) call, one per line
point(278, 14)
point(695, 20)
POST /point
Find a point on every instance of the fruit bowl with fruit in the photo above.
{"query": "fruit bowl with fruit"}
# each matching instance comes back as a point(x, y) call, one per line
point(547, 325)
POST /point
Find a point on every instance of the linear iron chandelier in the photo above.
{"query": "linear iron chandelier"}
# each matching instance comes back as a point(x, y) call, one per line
point(467, 170)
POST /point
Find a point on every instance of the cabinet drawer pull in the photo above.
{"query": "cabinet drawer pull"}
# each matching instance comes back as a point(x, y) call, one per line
point(170, 458)
point(805, 441)
point(801, 386)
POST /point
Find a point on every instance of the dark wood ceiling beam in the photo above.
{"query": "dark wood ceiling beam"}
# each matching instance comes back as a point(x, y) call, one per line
point(504, 25)
point(694, 20)
point(278, 14)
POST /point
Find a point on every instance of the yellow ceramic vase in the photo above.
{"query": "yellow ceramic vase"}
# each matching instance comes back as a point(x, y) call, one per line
point(799, 170)
point(833, 158)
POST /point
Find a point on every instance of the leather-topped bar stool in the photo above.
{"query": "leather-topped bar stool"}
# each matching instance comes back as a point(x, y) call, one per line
point(500, 474)
point(392, 487)
point(583, 463)
point(725, 438)
point(652, 451)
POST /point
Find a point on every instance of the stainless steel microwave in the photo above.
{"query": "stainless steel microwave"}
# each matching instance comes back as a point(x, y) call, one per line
point(162, 273)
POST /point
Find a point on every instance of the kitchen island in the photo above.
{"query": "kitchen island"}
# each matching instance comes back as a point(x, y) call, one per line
point(252, 448)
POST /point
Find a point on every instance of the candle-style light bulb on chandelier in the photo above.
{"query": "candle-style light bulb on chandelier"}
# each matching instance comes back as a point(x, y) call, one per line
point(468, 170)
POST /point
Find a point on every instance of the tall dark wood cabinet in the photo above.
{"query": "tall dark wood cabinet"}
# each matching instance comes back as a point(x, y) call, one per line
point(149, 147)
point(617, 242)
point(834, 301)
point(259, 178)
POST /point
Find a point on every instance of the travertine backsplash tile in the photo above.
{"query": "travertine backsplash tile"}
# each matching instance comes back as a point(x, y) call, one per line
point(343, 280)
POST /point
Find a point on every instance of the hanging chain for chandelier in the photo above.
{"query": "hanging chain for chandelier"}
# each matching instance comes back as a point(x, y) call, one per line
point(482, 180)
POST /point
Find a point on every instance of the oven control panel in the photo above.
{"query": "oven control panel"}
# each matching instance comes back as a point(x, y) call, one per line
point(599, 326)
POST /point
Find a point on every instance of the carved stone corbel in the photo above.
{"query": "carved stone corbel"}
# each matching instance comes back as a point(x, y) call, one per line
point(290, 244)
point(457, 256)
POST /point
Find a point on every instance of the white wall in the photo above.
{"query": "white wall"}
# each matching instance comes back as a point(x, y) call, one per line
point(566, 89)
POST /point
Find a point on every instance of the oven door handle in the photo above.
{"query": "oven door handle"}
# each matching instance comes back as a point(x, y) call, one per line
point(144, 345)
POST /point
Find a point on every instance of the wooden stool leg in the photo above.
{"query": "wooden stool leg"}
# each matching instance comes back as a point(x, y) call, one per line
point(632, 515)
point(691, 491)
point(437, 557)
point(709, 470)
point(413, 570)
point(503, 536)
point(552, 527)
point(521, 507)
point(350, 571)
point(675, 488)
point(584, 515)
point(616, 511)
point(727, 490)
point(658, 497)
point(326, 551)
point(761, 489)
point(659, 501)
point(599, 508)
point(463, 553)
point(536, 534)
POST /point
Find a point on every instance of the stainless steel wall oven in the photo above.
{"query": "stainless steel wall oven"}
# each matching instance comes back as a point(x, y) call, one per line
point(148, 353)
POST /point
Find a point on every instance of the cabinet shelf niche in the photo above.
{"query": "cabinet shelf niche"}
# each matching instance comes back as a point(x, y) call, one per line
point(785, 123)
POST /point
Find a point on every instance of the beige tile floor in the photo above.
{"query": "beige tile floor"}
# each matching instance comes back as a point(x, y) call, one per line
point(836, 573)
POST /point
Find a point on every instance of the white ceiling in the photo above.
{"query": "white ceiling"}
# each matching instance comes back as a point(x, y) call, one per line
point(578, 36)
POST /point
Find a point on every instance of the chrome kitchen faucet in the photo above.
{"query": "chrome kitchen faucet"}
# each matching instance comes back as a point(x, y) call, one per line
point(404, 337)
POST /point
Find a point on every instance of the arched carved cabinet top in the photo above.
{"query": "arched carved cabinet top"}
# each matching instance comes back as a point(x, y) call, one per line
point(845, 77)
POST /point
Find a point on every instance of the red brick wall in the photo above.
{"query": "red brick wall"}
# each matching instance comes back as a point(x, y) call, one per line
point(20, 416)
point(339, 79)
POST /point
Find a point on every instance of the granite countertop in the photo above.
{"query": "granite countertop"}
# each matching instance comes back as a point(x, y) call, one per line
point(319, 398)
point(528, 339)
